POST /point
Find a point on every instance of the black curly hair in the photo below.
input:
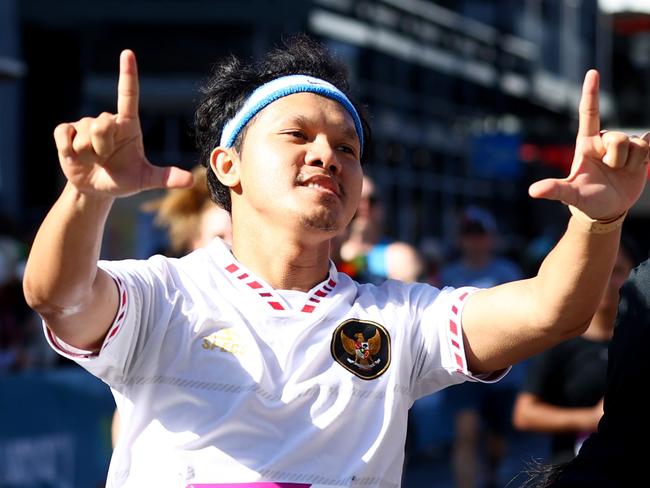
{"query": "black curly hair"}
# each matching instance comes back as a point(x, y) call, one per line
point(233, 80)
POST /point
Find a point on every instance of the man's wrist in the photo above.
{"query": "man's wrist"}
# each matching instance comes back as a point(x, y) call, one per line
point(89, 198)
point(596, 226)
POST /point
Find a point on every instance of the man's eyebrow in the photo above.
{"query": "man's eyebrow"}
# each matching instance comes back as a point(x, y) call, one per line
point(350, 133)
point(296, 119)
point(347, 131)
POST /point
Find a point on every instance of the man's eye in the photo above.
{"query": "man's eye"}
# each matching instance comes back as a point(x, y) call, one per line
point(298, 134)
point(347, 149)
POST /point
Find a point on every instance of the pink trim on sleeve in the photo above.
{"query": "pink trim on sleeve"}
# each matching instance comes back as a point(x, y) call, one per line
point(121, 312)
point(76, 353)
point(66, 349)
point(456, 335)
point(457, 346)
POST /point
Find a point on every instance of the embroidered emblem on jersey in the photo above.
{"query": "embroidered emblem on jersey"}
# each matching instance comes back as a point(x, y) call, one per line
point(226, 340)
point(362, 347)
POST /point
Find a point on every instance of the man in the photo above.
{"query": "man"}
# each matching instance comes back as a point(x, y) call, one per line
point(261, 363)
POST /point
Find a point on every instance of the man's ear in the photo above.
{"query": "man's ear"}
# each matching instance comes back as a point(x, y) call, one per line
point(224, 162)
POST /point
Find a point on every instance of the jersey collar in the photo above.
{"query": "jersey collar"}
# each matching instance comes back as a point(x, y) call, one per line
point(247, 281)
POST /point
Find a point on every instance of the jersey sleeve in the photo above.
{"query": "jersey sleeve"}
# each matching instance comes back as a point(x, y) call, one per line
point(438, 339)
point(145, 305)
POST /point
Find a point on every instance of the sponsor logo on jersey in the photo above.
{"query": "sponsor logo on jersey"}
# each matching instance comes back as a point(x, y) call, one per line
point(362, 347)
point(226, 340)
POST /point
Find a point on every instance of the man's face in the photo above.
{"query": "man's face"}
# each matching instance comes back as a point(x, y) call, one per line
point(299, 165)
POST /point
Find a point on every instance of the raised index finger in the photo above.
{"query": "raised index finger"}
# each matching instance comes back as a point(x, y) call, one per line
point(127, 86)
point(589, 112)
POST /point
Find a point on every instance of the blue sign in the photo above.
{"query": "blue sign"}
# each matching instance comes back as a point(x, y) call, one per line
point(54, 429)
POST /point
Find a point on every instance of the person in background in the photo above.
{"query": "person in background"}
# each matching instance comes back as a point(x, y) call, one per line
point(14, 312)
point(192, 221)
point(563, 391)
point(366, 255)
point(431, 251)
point(478, 263)
point(615, 454)
point(480, 413)
point(190, 217)
point(21, 341)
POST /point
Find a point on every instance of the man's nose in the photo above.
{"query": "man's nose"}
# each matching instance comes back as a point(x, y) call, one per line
point(323, 155)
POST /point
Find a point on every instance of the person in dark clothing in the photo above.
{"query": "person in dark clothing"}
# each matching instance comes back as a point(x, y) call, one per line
point(564, 387)
point(613, 456)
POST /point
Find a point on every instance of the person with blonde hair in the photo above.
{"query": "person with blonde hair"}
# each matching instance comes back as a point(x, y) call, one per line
point(191, 218)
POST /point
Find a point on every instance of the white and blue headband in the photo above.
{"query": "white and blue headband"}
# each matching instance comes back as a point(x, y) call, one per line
point(282, 87)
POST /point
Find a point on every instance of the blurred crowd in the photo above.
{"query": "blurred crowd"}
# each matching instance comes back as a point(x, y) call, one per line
point(472, 429)
point(22, 343)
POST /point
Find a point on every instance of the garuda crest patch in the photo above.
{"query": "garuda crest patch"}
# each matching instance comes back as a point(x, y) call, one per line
point(362, 347)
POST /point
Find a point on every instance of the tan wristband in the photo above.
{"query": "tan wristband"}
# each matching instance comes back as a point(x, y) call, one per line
point(597, 226)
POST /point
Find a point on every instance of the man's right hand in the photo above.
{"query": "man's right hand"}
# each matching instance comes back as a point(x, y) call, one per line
point(104, 156)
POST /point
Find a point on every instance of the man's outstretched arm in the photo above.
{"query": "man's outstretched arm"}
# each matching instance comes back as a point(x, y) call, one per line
point(102, 159)
point(508, 323)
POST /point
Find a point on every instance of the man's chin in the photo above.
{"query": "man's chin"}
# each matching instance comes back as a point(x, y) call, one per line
point(326, 223)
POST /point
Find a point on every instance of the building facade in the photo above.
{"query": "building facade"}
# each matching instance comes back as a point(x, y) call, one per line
point(466, 97)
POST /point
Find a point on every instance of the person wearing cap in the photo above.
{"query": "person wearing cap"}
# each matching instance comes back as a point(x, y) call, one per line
point(477, 264)
point(479, 413)
point(258, 364)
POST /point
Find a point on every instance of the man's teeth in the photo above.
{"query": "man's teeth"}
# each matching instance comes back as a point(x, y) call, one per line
point(311, 184)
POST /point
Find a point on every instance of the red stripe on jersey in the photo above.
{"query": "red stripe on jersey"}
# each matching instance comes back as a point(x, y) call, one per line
point(113, 332)
point(331, 283)
point(276, 305)
point(454, 309)
point(463, 296)
point(453, 327)
point(254, 285)
point(243, 276)
point(124, 298)
point(459, 360)
point(320, 293)
point(232, 268)
point(308, 308)
point(455, 344)
point(266, 294)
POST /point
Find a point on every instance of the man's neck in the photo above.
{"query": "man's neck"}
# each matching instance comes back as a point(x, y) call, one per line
point(283, 261)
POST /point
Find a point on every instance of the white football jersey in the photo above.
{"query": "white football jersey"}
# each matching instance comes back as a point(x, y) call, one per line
point(220, 379)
